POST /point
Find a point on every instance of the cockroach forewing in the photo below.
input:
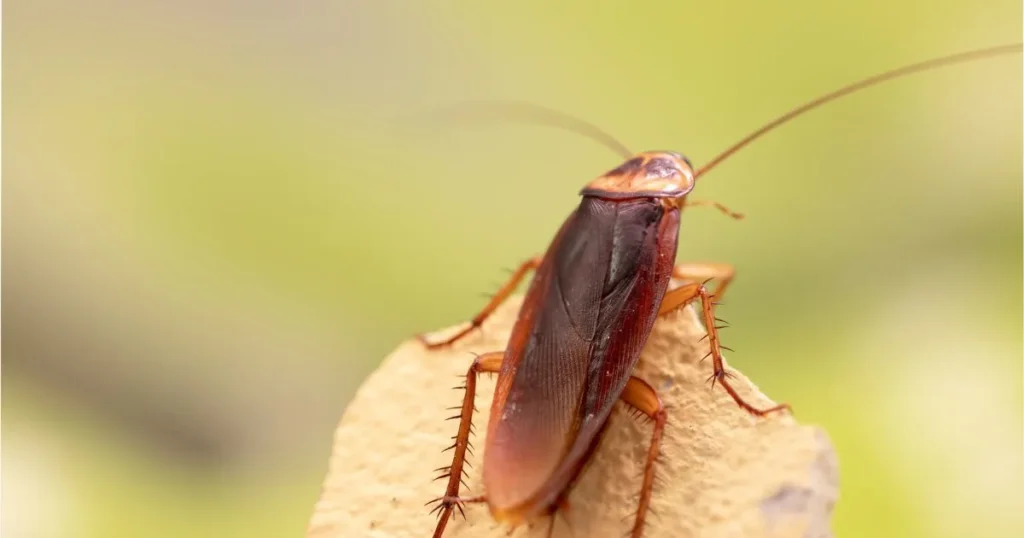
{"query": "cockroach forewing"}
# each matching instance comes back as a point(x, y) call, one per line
point(584, 322)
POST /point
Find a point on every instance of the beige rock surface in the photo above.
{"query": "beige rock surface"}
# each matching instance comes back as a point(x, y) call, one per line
point(723, 473)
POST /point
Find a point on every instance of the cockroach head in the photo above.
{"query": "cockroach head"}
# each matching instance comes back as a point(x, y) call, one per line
point(653, 174)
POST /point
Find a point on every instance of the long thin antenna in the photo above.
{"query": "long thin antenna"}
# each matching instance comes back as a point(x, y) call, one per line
point(871, 81)
point(536, 114)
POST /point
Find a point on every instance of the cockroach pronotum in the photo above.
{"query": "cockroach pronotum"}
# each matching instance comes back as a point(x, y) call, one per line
point(593, 300)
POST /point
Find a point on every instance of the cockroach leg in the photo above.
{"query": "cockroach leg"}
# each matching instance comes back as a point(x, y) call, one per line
point(446, 504)
point(551, 523)
point(488, 362)
point(716, 205)
point(561, 506)
point(683, 295)
point(456, 502)
point(642, 397)
point(503, 294)
point(704, 271)
point(677, 298)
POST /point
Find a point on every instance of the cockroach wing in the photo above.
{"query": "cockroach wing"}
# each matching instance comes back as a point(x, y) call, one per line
point(535, 411)
point(583, 323)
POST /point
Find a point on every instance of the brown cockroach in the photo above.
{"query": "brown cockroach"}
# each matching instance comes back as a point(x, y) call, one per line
point(593, 300)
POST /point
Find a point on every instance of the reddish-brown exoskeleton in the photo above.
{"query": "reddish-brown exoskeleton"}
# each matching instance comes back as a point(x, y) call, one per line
point(584, 320)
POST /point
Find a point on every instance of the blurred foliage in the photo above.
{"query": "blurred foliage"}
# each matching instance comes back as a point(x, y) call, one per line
point(218, 217)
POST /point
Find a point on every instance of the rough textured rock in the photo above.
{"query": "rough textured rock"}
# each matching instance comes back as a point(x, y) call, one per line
point(723, 473)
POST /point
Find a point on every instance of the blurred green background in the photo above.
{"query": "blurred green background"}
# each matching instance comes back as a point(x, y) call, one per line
point(218, 217)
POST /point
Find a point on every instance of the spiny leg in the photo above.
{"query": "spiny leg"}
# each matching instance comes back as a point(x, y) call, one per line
point(642, 397)
point(704, 271)
point(683, 295)
point(501, 296)
point(489, 362)
point(457, 502)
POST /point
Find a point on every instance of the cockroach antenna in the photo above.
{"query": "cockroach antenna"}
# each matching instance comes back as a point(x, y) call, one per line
point(526, 112)
point(536, 114)
point(851, 88)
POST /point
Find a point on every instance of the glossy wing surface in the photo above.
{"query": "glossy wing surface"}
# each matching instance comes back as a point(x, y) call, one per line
point(535, 412)
point(584, 321)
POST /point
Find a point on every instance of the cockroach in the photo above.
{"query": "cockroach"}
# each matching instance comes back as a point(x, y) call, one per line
point(586, 316)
